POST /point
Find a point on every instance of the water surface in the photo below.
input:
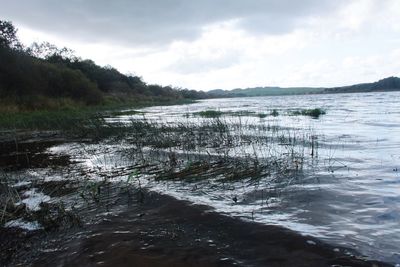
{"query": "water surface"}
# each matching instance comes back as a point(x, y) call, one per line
point(351, 195)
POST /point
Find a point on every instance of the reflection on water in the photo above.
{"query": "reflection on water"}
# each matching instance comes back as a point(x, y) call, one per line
point(350, 197)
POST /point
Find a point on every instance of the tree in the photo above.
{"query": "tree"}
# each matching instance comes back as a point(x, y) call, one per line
point(8, 35)
point(51, 52)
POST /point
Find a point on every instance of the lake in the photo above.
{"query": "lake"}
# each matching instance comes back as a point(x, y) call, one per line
point(333, 176)
point(350, 195)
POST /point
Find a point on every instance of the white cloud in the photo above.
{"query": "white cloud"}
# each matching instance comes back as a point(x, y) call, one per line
point(353, 42)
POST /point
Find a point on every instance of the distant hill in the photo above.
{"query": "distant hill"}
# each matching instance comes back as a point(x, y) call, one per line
point(265, 91)
point(387, 84)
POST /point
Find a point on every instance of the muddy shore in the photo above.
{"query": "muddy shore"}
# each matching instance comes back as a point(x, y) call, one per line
point(163, 231)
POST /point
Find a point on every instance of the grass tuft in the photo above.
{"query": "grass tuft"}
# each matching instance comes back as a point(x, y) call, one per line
point(314, 113)
point(209, 114)
point(274, 113)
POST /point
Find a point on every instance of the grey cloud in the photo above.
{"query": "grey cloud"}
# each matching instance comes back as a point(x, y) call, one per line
point(193, 64)
point(157, 22)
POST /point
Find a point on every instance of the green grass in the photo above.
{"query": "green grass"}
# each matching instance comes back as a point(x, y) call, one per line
point(209, 114)
point(314, 113)
point(73, 118)
point(126, 112)
point(240, 113)
point(215, 114)
point(262, 115)
point(46, 120)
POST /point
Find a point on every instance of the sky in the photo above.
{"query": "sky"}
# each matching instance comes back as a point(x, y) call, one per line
point(223, 44)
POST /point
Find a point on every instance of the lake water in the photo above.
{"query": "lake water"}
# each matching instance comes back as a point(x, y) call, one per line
point(347, 191)
point(351, 195)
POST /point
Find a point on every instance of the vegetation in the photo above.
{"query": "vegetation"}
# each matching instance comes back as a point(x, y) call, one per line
point(315, 113)
point(209, 113)
point(44, 77)
point(262, 115)
point(274, 113)
point(71, 119)
point(185, 150)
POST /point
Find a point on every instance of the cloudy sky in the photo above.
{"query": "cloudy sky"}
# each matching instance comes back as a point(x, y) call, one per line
point(208, 44)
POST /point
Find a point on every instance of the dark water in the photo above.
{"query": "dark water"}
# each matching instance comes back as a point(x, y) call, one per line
point(351, 195)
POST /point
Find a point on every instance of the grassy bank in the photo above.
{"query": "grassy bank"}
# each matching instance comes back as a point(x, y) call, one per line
point(72, 117)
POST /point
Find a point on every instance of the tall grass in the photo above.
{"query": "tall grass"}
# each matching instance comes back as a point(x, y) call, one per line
point(73, 118)
point(220, 148)
point(237, 149)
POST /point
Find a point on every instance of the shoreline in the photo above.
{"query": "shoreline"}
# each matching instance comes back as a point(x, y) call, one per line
point(163, 231)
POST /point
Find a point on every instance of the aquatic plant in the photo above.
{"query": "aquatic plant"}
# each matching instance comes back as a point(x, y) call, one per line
point(274, 113)
point(314, 113)
point(222, 149)
point(262, 115)
point(233, 150)
point(209, 113)
point(8, 197)
point(126, 112)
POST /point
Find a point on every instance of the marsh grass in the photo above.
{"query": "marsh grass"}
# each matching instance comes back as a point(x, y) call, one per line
point(217, 147)
point(241, 113)
point(8, 197)
point(126, 113)
point(209, 113)
point(314, 113)
point(274, 113)
point(262, 115)
point(222, 148)
point(74, 118)
point(46, 120)
point(51, 215)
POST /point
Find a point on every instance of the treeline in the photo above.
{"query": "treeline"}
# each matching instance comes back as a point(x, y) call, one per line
point(45, 76)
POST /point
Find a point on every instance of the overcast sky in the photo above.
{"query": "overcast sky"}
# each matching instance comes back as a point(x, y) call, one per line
point(208, 44)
